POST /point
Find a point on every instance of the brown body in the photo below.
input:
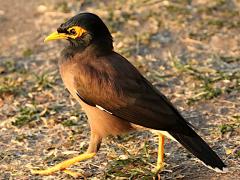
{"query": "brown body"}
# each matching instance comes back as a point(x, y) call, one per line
point(118, 99)
point(102, 123)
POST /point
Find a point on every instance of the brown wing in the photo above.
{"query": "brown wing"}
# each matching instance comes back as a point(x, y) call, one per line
point(114, 84)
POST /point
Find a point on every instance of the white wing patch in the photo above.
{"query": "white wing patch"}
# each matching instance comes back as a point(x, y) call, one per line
point(101, 108)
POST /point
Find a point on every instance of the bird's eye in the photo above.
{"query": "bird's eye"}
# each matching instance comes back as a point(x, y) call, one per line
point(72, 31)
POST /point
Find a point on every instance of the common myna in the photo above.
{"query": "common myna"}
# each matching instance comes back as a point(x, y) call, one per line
point(115, 96)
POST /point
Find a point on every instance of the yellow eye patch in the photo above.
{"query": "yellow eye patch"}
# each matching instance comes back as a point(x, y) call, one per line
point(75, 31)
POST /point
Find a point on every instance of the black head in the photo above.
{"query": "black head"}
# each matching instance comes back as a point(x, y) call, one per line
point(83, 30)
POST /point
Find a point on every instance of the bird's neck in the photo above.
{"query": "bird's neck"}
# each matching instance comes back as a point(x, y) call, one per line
point(96, 48)
point(70, 51)
point(92, 50)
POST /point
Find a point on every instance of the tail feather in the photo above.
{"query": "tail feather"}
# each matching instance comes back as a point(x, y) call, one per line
point(198, 147)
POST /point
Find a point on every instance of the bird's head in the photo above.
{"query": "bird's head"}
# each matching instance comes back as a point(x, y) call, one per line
point(83, 30)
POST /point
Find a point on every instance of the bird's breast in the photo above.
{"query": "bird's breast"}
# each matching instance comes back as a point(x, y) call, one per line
point(101, 122)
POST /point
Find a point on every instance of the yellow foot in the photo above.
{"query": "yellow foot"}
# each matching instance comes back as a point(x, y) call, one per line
point(63, 165)
point(158, 168)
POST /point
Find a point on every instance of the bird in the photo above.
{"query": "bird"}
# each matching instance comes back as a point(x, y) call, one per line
point(115, 96)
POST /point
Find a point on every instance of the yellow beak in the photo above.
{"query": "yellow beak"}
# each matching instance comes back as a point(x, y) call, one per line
point(55, 36)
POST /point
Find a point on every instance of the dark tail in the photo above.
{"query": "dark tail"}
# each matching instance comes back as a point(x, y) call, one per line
point(198, 147)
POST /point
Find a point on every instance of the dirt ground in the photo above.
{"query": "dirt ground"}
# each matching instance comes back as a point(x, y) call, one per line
point(189, 49)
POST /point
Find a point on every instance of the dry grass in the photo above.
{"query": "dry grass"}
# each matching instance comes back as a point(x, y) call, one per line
point(189, 49)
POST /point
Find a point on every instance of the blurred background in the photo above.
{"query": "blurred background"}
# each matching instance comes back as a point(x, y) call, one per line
point(189, 49)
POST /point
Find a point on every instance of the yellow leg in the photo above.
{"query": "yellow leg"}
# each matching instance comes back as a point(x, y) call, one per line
point(63, 165)
point(160, 159)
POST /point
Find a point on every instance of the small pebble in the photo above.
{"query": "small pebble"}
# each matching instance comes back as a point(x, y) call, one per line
point(41, 8)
